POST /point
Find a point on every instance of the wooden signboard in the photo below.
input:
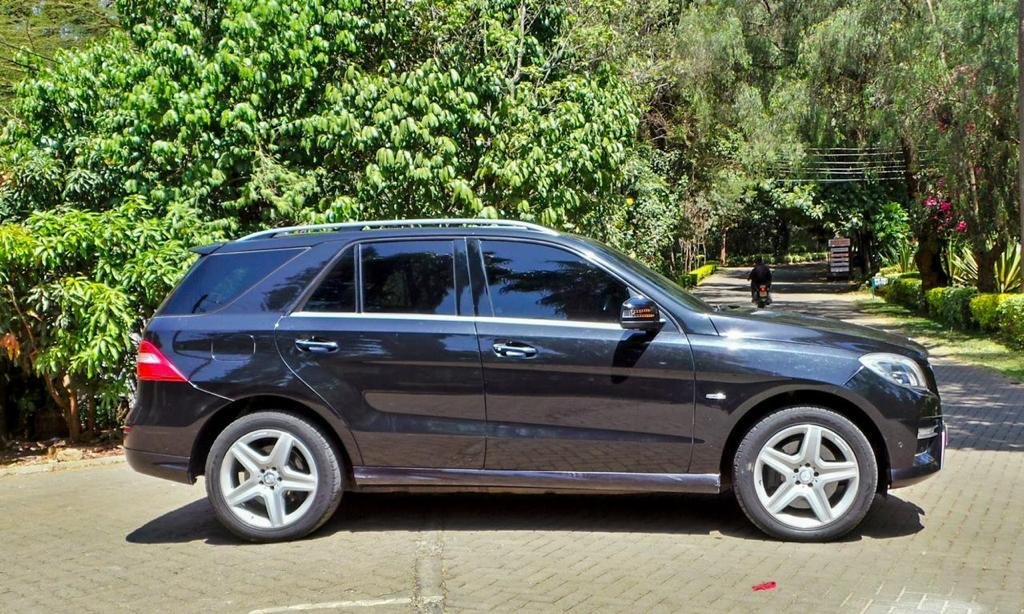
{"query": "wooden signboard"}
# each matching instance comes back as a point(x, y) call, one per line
point(839, 257)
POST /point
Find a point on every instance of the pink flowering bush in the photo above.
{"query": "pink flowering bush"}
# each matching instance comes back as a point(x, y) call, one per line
point(940, 215)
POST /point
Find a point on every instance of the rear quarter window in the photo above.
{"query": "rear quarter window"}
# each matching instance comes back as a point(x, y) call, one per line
point(218, 279)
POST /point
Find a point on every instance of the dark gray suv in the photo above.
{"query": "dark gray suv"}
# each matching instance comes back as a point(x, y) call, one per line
point(298, 363)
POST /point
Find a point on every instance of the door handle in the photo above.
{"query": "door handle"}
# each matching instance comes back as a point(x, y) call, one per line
point(315, 346)
point(514, 350)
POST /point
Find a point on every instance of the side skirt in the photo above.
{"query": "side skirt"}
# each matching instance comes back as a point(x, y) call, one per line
point(411, 479)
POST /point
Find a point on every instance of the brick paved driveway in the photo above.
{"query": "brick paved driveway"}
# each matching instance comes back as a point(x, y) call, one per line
point(106, 539)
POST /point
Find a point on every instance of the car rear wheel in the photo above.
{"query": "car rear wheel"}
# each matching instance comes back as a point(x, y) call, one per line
point(273, 476)
point(805, 474)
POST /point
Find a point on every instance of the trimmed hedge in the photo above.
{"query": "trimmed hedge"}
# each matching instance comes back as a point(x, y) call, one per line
point(904, 291)
point(951, 306)
point(961, 308)
point(985, 310)
point(795, 258)
point(1010, 315)
point(698, 275)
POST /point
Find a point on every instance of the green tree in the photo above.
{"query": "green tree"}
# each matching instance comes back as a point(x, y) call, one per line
point(203, 119)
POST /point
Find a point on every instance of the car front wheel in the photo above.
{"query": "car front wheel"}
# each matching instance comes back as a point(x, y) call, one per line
point(273, 476)
point(805, 474)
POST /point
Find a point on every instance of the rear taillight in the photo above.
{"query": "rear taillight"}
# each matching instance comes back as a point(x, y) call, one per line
point(153, 366)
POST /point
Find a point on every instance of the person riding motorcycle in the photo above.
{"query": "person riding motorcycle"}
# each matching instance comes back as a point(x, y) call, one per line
point(758, 276)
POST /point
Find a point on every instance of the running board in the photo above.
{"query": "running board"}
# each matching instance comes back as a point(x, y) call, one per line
point(402, 478)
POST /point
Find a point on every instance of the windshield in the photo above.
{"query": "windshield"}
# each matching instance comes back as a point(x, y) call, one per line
point(667, 285)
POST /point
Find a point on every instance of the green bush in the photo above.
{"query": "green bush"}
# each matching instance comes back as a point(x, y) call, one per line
point(904, 291)
point(1011, 319)
point(698, 275)
point(951, 306)
point(793, 258)
point(985, 310)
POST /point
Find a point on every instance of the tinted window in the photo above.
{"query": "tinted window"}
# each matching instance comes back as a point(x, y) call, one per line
point(337, 292)
point(219, 279)
point(528, 280)
point(409, 277)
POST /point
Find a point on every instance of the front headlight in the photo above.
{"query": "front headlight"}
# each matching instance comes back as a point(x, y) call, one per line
point(895, 368)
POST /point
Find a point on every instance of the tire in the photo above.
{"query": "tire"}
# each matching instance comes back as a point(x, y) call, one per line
point(788, 494)
point(284, 474)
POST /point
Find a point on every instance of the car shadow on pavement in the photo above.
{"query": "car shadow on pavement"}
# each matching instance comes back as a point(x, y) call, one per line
point(889, 517)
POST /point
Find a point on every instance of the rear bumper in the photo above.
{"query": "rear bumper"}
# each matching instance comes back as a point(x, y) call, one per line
point(160, 465)
point(928, 460)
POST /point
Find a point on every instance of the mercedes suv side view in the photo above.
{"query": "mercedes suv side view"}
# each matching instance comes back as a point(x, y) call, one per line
point(299, 363)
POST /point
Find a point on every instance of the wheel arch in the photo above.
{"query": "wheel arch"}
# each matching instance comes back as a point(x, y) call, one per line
point(839, 404)
point(224, 416)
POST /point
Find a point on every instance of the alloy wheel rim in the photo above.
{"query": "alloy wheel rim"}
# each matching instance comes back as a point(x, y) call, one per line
point(268, 479)
point(806, 476)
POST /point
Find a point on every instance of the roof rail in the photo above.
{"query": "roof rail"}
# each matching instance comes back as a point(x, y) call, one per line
point(423, 223)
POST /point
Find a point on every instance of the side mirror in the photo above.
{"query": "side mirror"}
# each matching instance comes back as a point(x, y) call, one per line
point(640, 313)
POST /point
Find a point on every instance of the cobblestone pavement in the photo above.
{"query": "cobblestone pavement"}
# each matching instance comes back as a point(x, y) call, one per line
point(106, 539)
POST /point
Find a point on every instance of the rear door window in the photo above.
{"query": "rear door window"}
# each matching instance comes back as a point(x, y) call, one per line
point(529, 280)
point(218, 279)
point(414, 277)
point(337, 292)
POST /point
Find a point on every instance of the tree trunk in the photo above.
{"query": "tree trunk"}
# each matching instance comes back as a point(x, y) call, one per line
point(64, 396)
point(986, 259)
point(3, 408)
point(929, 262)
point(73, 419)
point(723, 254)
point(863, 252)
point(91, 416)
point(928, 256)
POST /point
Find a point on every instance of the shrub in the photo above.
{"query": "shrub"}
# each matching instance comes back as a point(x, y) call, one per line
point(904, 291)
point(698, 275)
point(951, 306)
point(985, 310)
point(1011, 319)
point(793, 258)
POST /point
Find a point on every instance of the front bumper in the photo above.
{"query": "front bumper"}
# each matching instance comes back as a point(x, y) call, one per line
point(928, 459)
point(160, 465)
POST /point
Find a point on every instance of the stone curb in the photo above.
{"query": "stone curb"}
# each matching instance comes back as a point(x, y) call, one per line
point(51, 466)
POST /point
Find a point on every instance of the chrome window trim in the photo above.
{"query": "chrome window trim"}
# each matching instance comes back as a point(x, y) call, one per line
point(585, 253)
point(451, 318)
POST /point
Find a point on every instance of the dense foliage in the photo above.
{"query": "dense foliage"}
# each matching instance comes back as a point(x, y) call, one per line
point(985, 310)
point(951, 306)
point(1011, 320)
point(903, 290)
point(962, 308)
point(202, 120)
point(679, 132)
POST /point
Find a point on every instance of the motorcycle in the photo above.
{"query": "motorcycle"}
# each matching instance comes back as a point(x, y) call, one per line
point(763, 296)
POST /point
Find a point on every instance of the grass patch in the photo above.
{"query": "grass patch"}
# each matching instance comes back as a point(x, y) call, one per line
point(969, 347)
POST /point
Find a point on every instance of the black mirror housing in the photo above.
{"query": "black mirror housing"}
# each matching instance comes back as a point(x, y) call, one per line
point(640, 313)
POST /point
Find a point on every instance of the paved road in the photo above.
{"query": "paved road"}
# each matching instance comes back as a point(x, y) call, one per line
point(105, 539)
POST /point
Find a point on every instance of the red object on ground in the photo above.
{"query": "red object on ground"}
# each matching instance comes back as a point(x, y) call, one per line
point(765, 586)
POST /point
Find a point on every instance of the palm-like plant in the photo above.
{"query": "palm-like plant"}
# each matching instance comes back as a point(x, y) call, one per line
point(901, 257)
point(1008, 269)
point(961, 265)
point(963, 268)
